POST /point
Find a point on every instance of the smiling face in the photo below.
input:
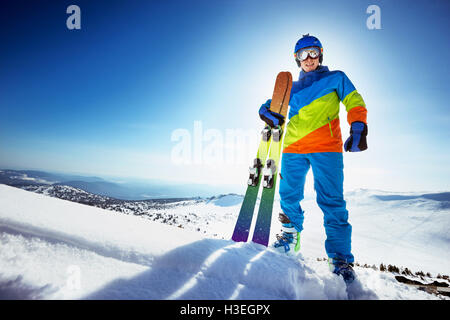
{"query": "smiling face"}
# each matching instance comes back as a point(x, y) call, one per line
point(310, 64)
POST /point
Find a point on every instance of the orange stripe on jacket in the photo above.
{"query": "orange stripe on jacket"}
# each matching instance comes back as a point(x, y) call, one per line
point(320, 140)
point(357, 114)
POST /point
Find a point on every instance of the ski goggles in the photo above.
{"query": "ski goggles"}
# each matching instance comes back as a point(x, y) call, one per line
point(303, 54)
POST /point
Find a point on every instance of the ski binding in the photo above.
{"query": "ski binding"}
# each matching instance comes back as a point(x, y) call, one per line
point(269, 172)
point(254, 173)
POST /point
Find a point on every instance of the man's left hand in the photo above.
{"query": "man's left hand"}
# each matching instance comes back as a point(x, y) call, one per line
point(357, 140)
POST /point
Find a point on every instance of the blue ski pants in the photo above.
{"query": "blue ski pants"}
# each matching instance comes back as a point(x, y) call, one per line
point(328, 171)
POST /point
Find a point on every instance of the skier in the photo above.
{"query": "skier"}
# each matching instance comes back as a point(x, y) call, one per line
point(313, 139)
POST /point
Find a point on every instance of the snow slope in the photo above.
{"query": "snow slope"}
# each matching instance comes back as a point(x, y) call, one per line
point(406, 230)
point(56, 249)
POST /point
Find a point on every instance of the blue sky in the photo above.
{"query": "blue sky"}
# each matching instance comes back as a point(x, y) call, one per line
point(107, 99)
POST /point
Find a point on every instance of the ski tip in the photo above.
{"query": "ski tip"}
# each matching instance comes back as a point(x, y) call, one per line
point(285, 73)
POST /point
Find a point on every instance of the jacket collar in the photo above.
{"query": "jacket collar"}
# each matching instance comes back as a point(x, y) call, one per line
point(320, 69)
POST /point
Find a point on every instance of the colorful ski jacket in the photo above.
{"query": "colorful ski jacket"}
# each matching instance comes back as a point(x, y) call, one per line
point(314, 111)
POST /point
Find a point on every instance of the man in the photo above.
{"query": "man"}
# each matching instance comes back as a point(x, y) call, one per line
point(313, 139)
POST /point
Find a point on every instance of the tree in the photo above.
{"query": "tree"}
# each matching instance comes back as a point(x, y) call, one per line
point(407, 272)
point(420, 274)
point(392, 268)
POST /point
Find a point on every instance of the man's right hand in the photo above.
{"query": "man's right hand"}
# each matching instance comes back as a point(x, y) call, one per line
point(273, 119)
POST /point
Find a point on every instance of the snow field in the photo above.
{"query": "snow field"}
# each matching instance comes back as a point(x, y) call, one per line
point(56, 249)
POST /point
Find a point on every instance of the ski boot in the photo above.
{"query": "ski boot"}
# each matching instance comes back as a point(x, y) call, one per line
point(342, 268)
point(288, 241)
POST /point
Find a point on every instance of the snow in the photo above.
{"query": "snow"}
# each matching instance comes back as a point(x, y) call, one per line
point(227, 200)
point(57, 249)
point(411, 233)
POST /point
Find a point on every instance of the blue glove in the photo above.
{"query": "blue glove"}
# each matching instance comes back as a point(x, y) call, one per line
point(273, 119)
point(357, 140)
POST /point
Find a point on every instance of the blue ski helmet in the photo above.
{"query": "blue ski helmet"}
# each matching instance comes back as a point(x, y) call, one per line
point(308, 41)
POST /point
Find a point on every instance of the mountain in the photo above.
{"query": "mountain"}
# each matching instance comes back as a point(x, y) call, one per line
point(126, 189)
point(57, 249)
point(102, 188)
point(25, 177)
point(443, 198)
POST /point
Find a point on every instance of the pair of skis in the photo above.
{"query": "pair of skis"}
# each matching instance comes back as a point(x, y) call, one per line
point(264, 171)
